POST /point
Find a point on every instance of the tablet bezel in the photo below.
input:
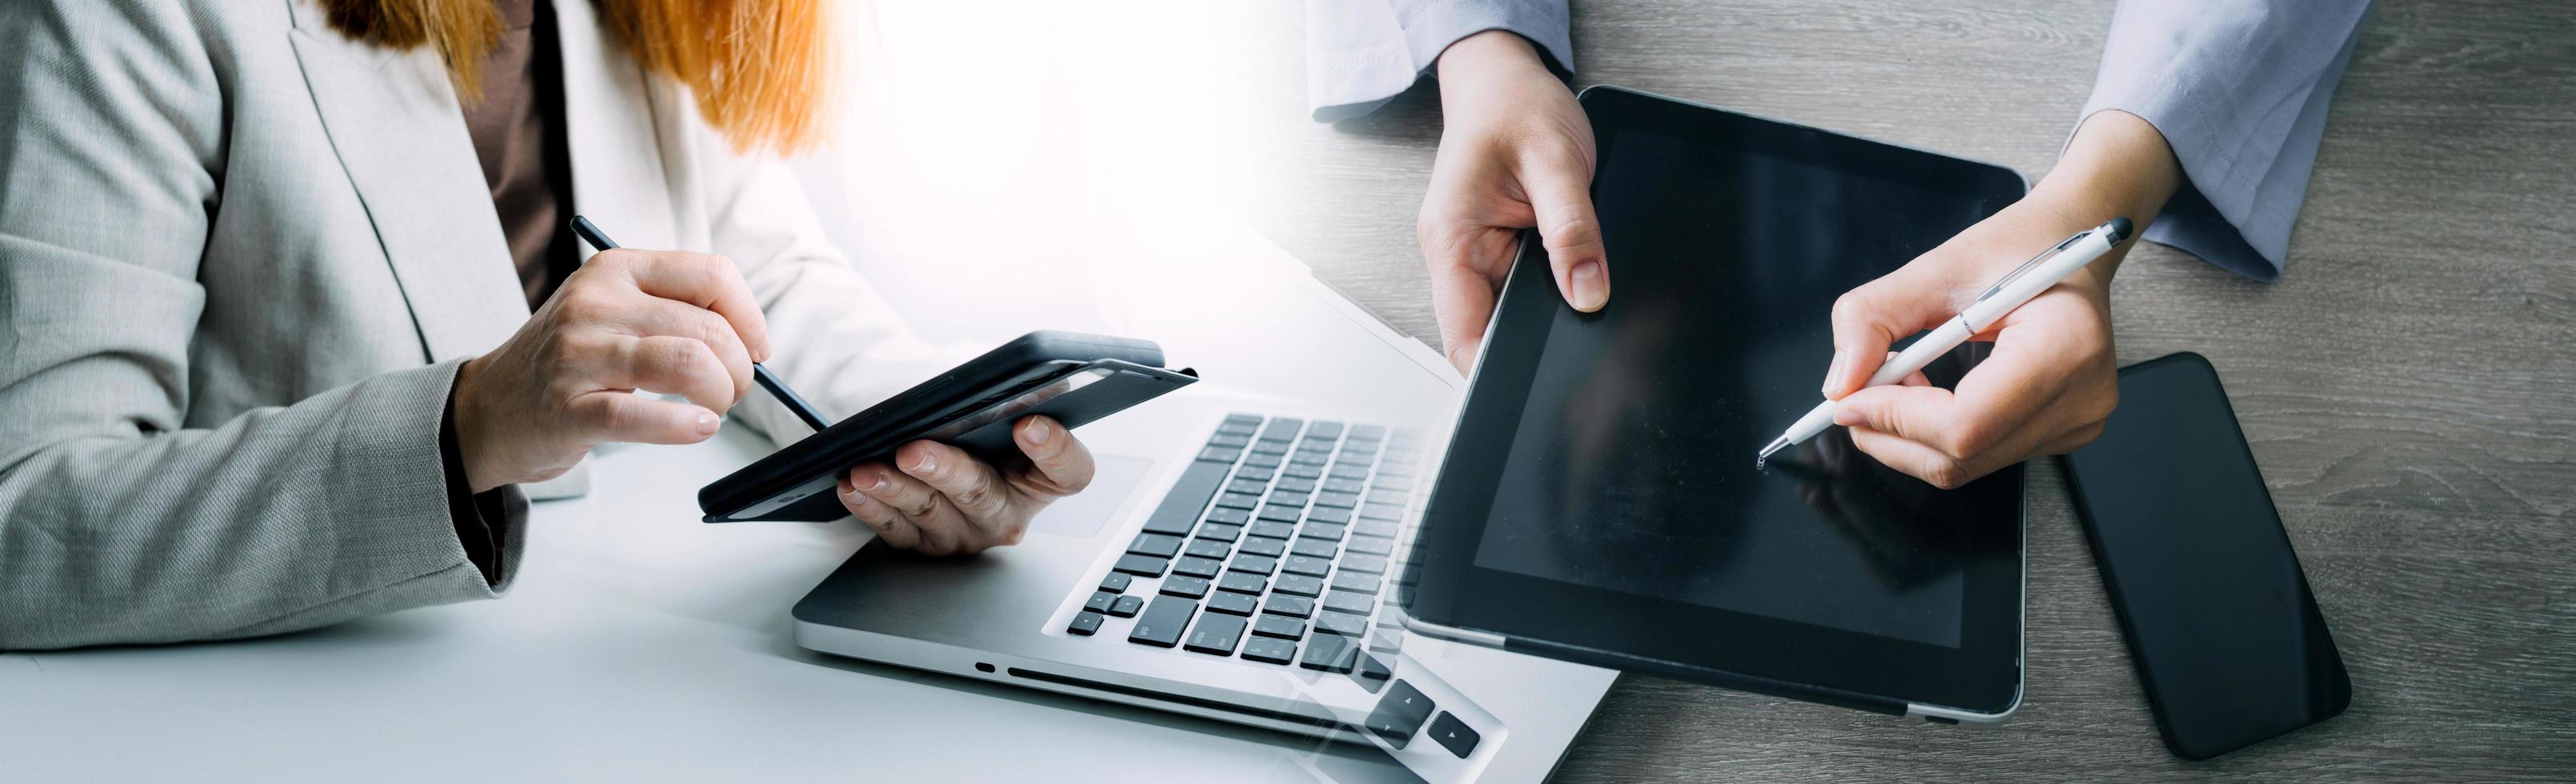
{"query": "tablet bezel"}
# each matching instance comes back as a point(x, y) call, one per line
point(1980, 678)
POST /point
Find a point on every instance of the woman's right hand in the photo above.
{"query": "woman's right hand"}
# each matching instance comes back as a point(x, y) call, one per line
point(628, 321)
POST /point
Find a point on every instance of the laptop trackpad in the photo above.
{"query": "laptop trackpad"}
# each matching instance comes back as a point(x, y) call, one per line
point(1082, 513)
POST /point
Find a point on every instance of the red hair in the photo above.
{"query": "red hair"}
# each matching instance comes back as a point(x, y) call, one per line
point(761, 70)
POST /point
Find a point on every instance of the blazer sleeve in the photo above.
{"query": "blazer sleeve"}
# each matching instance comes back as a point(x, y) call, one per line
point(119, 522)
point(2239, 88)
point(832, 336)
point(1361, 53)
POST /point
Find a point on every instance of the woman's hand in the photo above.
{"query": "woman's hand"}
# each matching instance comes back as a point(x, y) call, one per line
point(945, 502)
point(2050, 381)
point(627, 321)
point(1515, 152)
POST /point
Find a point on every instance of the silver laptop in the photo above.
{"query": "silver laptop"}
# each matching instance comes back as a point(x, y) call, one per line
point(1234, 559)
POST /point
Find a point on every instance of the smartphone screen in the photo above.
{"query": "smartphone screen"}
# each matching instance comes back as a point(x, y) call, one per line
point(2228, 641)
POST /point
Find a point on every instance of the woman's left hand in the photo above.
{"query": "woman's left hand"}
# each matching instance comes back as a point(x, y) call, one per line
point(943, 501)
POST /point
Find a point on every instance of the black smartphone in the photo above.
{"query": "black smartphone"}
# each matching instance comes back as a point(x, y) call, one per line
point(2228, 640)
point(1073, 377)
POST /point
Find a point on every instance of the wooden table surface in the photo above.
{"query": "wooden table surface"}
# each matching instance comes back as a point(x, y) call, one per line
point(2409, 387)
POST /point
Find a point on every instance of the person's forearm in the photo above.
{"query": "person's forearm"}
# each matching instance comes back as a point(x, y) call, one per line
point(2117, 164)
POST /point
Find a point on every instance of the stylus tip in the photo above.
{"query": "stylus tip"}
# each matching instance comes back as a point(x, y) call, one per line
point(1764, 459)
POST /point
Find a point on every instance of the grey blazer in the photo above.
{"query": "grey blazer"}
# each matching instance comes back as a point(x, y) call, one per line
point(241, 258)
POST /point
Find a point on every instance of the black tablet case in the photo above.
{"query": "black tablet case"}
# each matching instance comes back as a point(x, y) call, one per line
point(1126, 385)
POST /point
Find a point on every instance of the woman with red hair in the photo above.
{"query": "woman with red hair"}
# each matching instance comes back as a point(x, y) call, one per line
point(291, 325)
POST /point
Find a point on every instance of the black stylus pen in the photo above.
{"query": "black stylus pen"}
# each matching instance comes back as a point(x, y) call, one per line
point(805, 411)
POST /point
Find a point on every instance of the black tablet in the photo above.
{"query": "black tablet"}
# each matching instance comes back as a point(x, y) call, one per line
point(1072, 377)
point(1600, 501)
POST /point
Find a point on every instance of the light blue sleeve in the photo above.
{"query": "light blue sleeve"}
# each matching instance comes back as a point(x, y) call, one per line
point(2239, 89)
point(1361, 53)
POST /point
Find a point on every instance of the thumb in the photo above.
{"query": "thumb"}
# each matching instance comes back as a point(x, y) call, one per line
point(1869, 319)
point(1560, 193)
point(1918, 414)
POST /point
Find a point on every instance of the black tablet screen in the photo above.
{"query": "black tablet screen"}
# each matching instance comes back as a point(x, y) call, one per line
point(1632, 469)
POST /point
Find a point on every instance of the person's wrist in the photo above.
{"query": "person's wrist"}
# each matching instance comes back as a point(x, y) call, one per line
point(1485, 56)
point(2116, 164)
point(473, 450)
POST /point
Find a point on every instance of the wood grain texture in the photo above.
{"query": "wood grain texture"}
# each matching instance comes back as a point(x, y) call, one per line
point(2409, 387)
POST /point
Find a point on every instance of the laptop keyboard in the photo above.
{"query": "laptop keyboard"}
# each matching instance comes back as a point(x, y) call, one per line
point(1273, 547)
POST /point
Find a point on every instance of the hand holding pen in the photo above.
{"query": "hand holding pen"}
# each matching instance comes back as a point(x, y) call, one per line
point(626, 322)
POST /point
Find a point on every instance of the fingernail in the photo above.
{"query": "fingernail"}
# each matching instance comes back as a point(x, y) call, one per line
point(877, 483)
point(1038, 431)
point(1847, 417)
point(707, 423)
point(1591, 286)
point(926, 463)
point(1834, 373)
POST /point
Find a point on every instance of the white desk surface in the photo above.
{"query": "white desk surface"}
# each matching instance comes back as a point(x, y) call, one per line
point(637, 644)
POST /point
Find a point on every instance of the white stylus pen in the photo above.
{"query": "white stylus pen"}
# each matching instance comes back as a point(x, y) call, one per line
point(2016, 287)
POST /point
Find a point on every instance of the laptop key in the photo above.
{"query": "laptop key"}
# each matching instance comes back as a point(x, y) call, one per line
point(1345, 601)
point(1238, 500)
point(1330, 653)
point(1270, 650)
point(1250, 487)
point(1340, 485)
point(1371, 674)
point(1099, 601)
point(1216, 634)
point(1300, 585)
point(1302, 470)
point(1386, 512)
point(1344, 624)
point(1264, 546)
point(1280, 626)
point(1291, 606)
point(1227, 515)
point(1368, 432)
point(1209, 548)
point(1454, 735)
point(1249, 563)
point(1350, 470)
point(1343, 500)
point(1126, 606)
point(1399, 714)
point(1220, 455)
point(1329, 514)
point(1116, 582)
point(1260, 459)
point(1194, 566)
point(1189, 587)
point(1314, 548)
point(1372, 545)
point(1239, 582)
point(1386, 495)
point(1156, 545)
point(1230, 440)
point(1084, 623)
point(1291, 500)
point(1374, 528)
point(1162, 622)
point(1294, 485)
point(1355, 582)
point(1141, 565)
point(1306, 565)
point(1331, 532)
point(1179, 508)
point(1271, 528)
point(1220, 532)
point(1281, 512)
point(1256, 473)
point(1386, 640)
point(1233, 603)
point(1325, 428)
point(1365, 564)
point(1281, 428)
